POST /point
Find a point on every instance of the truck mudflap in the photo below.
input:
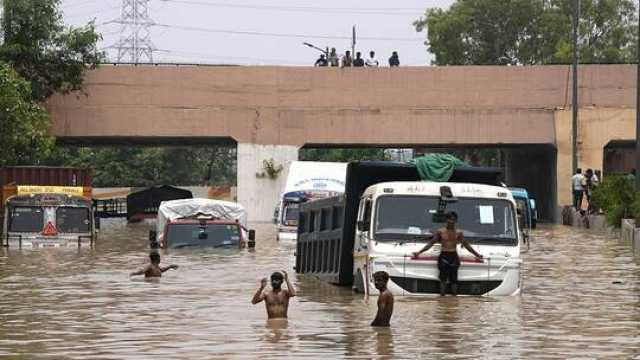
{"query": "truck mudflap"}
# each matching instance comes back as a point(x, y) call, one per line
point(493, 277)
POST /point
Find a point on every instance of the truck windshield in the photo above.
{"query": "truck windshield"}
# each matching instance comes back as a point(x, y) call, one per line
point(193, 234)
point(73, 219)
point(26, 219)
point(487, 221)
point(290, 214)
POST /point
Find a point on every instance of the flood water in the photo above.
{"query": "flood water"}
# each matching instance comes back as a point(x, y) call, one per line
point(581, 299)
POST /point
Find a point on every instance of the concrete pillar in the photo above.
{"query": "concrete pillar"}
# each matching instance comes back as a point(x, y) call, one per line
point(257, 193)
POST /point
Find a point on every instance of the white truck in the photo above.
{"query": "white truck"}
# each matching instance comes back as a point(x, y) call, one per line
point(387, 214)
point(306, 180)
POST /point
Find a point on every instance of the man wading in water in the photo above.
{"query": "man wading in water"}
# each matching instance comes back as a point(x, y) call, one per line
point(385, 299)
point(448, 261)
point(276, 300)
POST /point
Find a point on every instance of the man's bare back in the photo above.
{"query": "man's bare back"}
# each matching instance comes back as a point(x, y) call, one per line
point(277, 300)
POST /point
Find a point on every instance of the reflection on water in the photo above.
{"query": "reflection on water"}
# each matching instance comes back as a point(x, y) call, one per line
point(581, 299)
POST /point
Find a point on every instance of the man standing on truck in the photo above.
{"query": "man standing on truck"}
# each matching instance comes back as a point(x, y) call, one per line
point(276, 300)
point(448, 261)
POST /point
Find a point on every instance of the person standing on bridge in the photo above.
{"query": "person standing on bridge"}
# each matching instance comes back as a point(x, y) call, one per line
point(448, 260)
point(577, 188)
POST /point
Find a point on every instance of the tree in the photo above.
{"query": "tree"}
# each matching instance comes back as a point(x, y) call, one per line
point(499, 32)
point(147, 166)
point(43, 51)
point(23, 124)
point(341, 155)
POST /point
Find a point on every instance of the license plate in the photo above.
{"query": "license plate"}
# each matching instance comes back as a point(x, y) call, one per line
point(46, 244)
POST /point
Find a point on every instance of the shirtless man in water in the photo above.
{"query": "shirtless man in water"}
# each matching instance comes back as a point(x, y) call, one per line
point(276, 300)
point(448, 261)
point(385, 299)
point(153, 269)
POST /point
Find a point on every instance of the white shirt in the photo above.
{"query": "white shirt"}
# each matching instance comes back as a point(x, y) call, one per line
point(372, 62)
point(576, 182)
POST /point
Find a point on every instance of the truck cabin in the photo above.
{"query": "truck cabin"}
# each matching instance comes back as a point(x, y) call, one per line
point(49, 215)
point(291, 207)
point(526, 208)
point(206, 232)
point(407, 212)
point(201, 223)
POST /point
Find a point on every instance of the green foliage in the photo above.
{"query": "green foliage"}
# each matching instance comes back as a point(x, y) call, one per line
point(618, 198)
point(43, 51)
point(138, 166)
point(342, 155)
point(492, 32)
point(23, 124)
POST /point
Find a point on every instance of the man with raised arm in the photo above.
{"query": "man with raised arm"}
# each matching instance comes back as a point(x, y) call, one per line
point(448, 261)
point(154, 269)
point(276, 300)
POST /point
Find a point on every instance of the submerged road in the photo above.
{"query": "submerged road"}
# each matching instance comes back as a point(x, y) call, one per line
point(581, 299)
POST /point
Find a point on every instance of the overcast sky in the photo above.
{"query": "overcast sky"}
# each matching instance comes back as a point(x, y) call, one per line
point(215, 31)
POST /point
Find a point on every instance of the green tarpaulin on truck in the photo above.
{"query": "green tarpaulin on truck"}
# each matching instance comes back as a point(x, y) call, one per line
point(436, 167)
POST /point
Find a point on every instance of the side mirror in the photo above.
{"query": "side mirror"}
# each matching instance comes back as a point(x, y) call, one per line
point(252, 239)
point(363, 225)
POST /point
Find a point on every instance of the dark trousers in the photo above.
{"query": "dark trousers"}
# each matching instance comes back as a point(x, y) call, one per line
point(577, 198)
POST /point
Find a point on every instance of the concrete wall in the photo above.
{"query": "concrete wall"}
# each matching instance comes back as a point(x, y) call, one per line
point(596, 127)
point(294, 106)
point(257, 193)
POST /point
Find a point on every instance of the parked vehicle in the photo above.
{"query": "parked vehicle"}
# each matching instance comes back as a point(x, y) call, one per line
point(201, 222)
point(387, 213)
point(526, 206)
point(48, 216)
point(306, 180)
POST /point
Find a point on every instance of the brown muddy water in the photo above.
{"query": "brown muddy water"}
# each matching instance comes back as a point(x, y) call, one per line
point(581, 299)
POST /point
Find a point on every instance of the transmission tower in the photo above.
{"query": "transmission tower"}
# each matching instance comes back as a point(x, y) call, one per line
point(135, 37)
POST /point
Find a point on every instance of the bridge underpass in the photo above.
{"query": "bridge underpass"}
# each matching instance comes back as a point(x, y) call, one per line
point(271, 112)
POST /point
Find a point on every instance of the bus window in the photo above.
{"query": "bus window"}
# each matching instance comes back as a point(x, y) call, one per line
point(26, 219)
point(73, 219)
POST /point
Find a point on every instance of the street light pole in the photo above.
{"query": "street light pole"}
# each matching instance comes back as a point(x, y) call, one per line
point(574, 123)
point(638, 107)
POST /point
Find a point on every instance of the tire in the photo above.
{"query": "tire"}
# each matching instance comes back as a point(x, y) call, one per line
point(358, 282)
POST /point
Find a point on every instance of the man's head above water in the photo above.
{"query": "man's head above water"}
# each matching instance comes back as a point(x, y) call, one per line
point(276, 280)
point(154, 257)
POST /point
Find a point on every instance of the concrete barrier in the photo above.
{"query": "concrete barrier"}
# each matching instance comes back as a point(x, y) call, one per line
point(631, 233)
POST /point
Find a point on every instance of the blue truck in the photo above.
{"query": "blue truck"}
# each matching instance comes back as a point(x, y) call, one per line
point(526, 208)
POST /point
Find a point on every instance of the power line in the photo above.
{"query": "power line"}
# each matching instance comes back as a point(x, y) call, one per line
point(268, 34)
point(309, 9)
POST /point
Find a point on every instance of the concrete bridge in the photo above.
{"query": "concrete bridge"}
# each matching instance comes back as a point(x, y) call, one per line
point(271, 112)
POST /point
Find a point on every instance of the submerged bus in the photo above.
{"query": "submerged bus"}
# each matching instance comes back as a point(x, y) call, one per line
point(48, 216)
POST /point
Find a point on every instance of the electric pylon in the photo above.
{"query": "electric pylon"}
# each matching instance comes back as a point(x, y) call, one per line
point(135, 36)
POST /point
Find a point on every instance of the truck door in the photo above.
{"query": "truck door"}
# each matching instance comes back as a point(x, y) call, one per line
point(364, 223)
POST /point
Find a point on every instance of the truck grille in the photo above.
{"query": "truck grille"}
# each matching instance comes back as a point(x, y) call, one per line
point(423, 286)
